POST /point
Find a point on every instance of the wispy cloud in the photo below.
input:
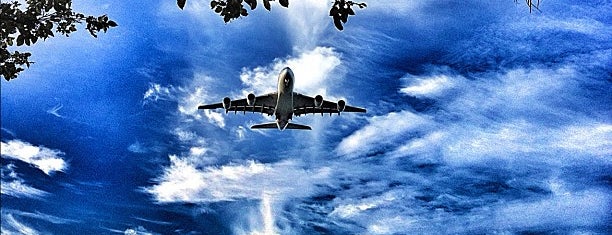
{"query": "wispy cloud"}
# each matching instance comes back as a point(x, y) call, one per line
point(40, 216)
point(314, 70)
point(55, 111)
point(184, 182)
point(380, 132)
point(10, 226)
point(140, 230)
point(506, 144)
point(137, 147)
point(428, 87)
point(187, 98)
point(516, 112)
point(46, 159)
point(306, 22)
point(562, 211)
point(13, 185)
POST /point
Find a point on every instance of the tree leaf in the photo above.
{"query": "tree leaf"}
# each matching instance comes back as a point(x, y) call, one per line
point(333, 11)
point(181, 3)
point(20, 40)
point(284, 3)
point(338, 23)
point(252, 4)
point(48, 6)
point(267, 4)
point(112, 23)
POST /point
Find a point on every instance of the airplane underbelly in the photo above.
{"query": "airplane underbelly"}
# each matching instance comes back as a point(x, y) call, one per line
point(284, 107)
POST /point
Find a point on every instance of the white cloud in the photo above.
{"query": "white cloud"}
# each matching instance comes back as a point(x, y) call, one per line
point(138, 231)
point(592, 138)
point(380, 131)
point(398, 8)
point(156, 92)
point(426, 145)
point(40, 216)
point(13, 185)
point(429, 86)
point(17, 188)
point(267, 224)
point(241, 133)
point(137, 147)
point(184, 182)
point(571, 24)
point(514, 116)
point(314, 72)
point(55, 111)
point(352, 209)
point(389, 215)
point(568, 210)
point(306, 21)
point(45, 159)
point(514, 121)
point(10, 226)
point(188, 99)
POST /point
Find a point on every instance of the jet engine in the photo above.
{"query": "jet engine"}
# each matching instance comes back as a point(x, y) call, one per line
point(318, 101)
point(251, 99)
point(341, 105)
point(227, 103)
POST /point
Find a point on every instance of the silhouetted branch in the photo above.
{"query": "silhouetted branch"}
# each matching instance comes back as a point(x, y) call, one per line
point(20, 27)
point(233, 9)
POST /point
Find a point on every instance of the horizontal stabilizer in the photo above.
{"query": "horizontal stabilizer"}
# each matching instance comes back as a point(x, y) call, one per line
point(297, 126)
point(271, 125)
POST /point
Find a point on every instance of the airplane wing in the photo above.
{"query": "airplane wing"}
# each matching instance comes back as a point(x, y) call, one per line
point(263, 104)
point(304, 104)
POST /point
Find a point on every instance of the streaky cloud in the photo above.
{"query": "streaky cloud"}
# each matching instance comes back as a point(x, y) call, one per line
point(381, 131)
point(14, 186)
point(10, 226)
point(46, 159)
point(55, 111)
point(187, 99)
point(428, 87)
point(41, 216)
point(139, 230)
point(311, 17)
point(183, 181)
point(17, 188)
point(561, 211)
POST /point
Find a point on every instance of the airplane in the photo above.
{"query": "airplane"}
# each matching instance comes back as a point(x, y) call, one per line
point(284, 104)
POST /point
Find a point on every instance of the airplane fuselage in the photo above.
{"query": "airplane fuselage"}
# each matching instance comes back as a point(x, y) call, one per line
point(284, 103)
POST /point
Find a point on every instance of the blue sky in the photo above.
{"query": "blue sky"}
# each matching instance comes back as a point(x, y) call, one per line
point(482, 118)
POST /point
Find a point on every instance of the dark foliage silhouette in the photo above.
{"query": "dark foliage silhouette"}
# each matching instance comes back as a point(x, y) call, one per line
point(233, 9)
point(39, 19)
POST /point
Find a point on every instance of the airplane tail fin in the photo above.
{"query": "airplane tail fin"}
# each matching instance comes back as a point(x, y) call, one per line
point(273, 125)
